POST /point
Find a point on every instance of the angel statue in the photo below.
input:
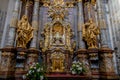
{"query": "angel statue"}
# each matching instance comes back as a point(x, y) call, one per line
point(24, 32)
point(89, 34)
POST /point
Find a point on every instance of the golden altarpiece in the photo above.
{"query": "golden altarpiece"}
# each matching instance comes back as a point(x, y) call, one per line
point(58, 47)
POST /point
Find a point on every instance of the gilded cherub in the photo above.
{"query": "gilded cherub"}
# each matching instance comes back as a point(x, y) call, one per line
point(24, 32)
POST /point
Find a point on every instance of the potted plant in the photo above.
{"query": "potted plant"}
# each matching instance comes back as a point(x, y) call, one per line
point(36, 72)
point(77, 68)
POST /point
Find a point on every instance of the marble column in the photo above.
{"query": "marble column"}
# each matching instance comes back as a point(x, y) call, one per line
point(33, 53)
point(26, 7)
point(80, 23)
point(13, 25)
point(82, 52)
point(102, 23)
point(8, 53)
point(35, 22)
point(106, 66)
point(111, 44)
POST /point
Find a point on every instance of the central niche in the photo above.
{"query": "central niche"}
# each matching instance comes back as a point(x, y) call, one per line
point(58, 34)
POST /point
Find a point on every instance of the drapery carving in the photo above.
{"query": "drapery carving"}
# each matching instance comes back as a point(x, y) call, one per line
point(89, 34)
point(24, 31)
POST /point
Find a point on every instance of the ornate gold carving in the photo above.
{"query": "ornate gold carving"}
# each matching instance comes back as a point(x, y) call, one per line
point(57, 62)
point(70, 4)
point(24, 31)
point(89, 34)
point(57, 37)
point(93, 2)
point(57, 10)
point(57, 32)
point(58, 2)
point(46, 3)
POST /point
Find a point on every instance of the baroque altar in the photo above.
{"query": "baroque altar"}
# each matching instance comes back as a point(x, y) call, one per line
point(58, 45)
point(65, 33)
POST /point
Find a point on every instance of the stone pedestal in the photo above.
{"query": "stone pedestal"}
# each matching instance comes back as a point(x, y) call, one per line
point(83, 57)
point(25, 58)
point(7, 64)
point(94, 62)
point(20, 62)
point(32, 57)
point(106, 64)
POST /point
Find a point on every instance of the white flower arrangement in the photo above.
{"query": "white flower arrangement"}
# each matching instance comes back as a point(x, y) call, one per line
point(36, 72)
point(77, 68)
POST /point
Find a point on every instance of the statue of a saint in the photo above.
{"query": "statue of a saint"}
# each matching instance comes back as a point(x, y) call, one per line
point(24, 32)
point(89, 34)
point(57, 33)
